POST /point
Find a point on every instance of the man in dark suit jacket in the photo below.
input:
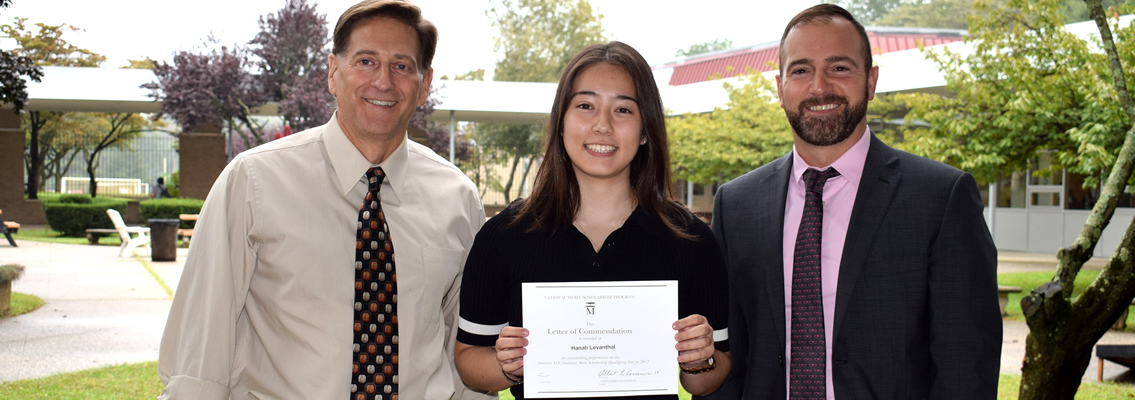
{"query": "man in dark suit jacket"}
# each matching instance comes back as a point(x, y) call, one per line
point(908, 266)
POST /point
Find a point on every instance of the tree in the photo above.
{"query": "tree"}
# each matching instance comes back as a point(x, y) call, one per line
point(1077, 10)
point(13, 69)
point(113, 130)
point(292, 51)
point(950, 14)
point(217, 87)
point(1031, 88)
point(537, 39)
point(707, 47)
point(212, 87)
point(868, 11)
point(47, 47)
point(727, 143)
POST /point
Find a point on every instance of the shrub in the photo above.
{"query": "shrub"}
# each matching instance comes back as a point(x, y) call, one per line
point(75, 199)
point(10, 272)
point(171, 209)
point(171, 183)
point(74, 214)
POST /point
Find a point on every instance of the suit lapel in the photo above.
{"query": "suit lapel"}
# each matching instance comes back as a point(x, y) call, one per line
point(876, 190)
point(769, 242)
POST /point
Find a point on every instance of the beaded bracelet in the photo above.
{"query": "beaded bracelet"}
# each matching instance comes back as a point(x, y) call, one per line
point(709, 365)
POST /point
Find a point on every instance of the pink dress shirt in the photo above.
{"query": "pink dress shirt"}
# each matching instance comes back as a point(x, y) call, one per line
point(839, 198)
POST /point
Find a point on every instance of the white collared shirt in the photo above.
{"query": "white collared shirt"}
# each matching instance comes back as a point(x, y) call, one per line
point(264, 307)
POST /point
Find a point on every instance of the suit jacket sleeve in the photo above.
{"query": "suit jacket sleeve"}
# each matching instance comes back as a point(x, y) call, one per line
point(738, 332)
point(965, 322)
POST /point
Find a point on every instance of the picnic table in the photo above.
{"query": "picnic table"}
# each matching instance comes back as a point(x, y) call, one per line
point(187, 234)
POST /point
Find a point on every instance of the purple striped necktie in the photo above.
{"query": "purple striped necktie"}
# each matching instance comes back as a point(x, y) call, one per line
point(808, 375)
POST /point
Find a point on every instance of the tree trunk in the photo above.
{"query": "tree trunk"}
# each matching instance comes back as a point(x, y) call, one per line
point(511, 175)
point(1062, 331)
point(91, 173)
point(33, 152)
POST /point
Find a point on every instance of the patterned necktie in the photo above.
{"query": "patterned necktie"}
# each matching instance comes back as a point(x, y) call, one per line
point(375, 369)
point(808, 376)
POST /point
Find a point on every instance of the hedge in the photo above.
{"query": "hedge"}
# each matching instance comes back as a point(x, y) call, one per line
point(170, 208)
point(73, 214)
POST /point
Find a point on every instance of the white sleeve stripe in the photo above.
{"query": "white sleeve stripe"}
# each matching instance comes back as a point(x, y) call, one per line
point(721, 335)
point(478, 329)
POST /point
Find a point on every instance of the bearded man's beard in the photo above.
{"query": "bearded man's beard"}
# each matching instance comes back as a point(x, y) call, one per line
point(826, 131)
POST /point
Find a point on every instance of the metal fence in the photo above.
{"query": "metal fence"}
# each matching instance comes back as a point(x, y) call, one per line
point(123, 172)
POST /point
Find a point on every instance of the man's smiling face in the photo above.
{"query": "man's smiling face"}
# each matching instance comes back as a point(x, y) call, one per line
point(378, 82)
point(825, 86)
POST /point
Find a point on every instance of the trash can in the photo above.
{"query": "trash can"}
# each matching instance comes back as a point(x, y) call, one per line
point(163, 239)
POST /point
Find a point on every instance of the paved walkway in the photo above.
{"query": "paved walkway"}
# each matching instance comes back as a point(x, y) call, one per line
point(104, 310)
point(101, 309)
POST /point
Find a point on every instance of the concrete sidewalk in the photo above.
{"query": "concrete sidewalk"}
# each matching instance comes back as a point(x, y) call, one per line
point(101, 309)
point(104, 310)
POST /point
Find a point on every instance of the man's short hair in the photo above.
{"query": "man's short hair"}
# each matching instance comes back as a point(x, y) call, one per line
point(826, 13)
point(400, 10)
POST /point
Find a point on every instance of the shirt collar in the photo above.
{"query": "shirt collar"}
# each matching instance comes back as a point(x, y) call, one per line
point(850, 164)
point(350, 165)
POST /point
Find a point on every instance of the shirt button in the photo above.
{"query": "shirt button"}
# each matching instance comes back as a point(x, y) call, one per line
point(595, 264)
point(610, 244)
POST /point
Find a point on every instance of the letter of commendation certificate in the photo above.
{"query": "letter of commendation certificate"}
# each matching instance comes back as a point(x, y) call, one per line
point(594, 339)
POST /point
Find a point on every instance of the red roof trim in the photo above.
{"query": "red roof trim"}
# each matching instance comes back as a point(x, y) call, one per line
point(765, 59)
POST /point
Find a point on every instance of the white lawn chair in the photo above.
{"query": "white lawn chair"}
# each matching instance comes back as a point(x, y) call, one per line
point(129, 243)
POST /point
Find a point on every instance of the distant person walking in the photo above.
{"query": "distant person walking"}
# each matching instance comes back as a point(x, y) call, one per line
point(160, 191)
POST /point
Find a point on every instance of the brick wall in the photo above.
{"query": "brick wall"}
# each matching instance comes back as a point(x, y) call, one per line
point(202, 157)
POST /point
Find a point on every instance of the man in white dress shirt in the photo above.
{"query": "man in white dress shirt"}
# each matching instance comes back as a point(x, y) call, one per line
point(264, 307)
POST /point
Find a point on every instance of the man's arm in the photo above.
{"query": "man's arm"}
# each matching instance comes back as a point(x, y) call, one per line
point(965, 319)
point(199, 342)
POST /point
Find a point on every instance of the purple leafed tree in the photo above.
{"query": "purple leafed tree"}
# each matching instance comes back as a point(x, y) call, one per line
point(219, 87)
point(208, 88)
point(292, 52)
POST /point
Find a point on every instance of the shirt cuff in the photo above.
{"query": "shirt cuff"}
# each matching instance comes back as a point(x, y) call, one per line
point(187, 387)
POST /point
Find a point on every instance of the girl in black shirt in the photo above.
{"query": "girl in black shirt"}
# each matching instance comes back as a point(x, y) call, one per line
point(601, 210)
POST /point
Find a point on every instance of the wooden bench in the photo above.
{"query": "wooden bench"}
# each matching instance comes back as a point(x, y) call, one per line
point(93, 234)
point(187, 234)
point(1003, 297)
point(8, 228)
point(1122, 354)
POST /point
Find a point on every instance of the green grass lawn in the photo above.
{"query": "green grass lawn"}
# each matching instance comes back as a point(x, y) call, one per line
point(22, 303)
point(1008, 384)
point(140, 381)
point(1028, 281)
point(47, 235)
point(127, 381)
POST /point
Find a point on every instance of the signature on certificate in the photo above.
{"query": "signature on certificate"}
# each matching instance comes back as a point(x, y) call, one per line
point(607, 373)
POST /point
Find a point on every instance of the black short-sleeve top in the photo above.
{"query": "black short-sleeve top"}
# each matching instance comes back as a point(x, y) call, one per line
point(504, 255)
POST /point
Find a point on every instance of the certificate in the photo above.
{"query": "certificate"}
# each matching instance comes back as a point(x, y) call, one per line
point(591, 339)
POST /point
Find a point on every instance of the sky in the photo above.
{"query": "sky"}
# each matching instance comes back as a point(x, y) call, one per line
point(136, 29)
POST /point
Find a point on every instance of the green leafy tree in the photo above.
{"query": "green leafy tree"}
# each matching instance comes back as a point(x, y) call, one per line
point(45, 46)
point(110, 130)
point(868, 11)
point(13, 69)
point(724, 144)
point(536, 40)
point(707, 47)
point(950, 14)
point(1031, 88)
point(1077, 10)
